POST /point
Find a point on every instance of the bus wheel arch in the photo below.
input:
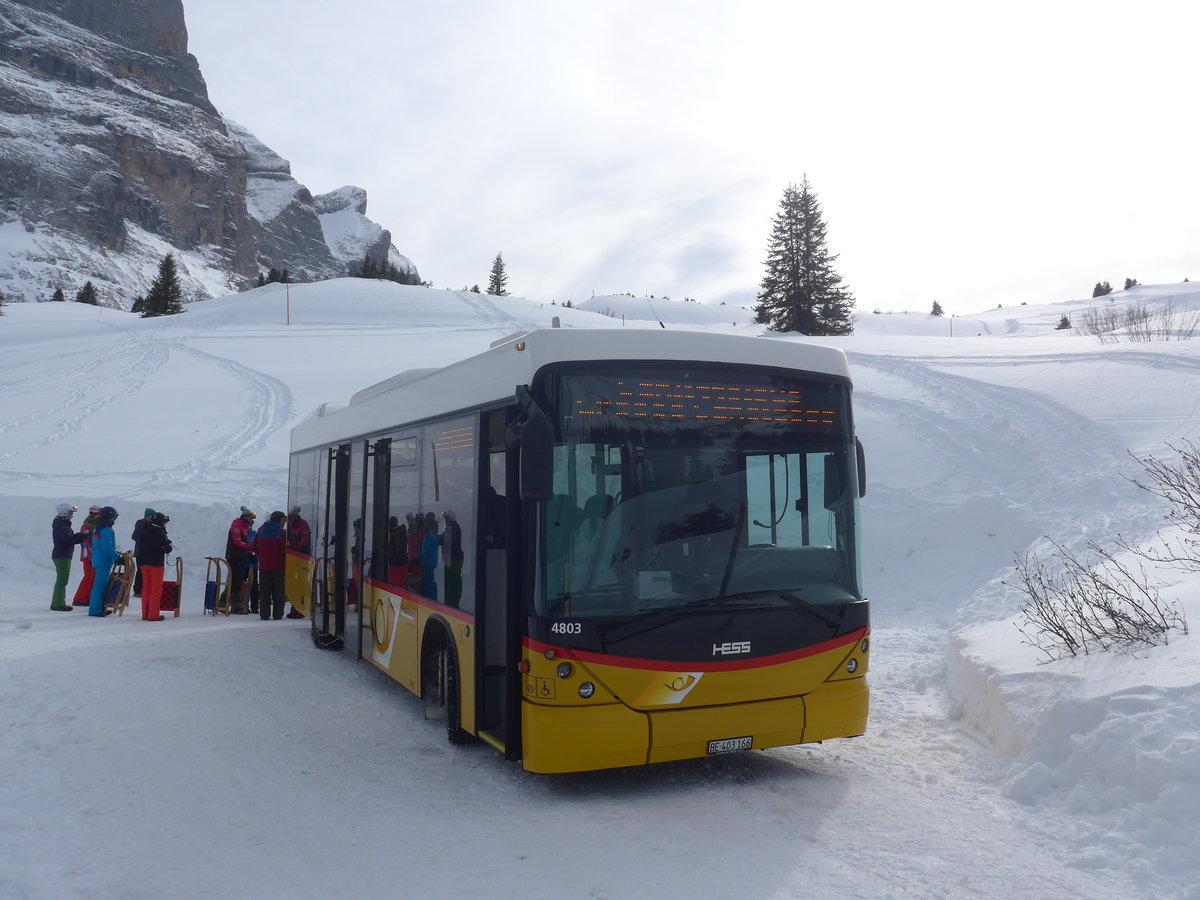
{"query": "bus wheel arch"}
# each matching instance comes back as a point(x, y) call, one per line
point(441, 684)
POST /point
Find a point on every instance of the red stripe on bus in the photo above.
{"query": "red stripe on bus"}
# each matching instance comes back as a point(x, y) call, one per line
point(422, 601)
point(758, 662)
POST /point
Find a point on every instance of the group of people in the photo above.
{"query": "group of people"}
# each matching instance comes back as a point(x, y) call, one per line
point(98, 551)
point(256, 560)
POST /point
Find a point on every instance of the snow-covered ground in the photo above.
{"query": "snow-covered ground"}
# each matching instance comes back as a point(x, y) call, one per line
point(200, 757)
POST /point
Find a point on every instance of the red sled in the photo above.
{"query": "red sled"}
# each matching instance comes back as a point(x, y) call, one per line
point(172, 590)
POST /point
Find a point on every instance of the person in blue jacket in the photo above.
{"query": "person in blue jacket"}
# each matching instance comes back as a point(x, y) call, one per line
point(104, 554)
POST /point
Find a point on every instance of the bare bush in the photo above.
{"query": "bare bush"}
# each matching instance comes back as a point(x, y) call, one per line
point(1138, 324)
point(1101, 324)
point(1075, 608)
point(1178, 482)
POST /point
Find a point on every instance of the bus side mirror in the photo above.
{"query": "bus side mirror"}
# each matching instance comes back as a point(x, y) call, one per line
point(862, 468)
point(537, 457)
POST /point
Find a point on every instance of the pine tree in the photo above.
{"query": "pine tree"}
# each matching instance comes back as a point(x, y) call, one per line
point(1, 303)
point(498, 279)
point(87, 294)
point(937, 309)
point(800, 290)
point(1063, 323)
point(59, 296)
point(1102, 289)
point(165, 297)
point(1130, 282)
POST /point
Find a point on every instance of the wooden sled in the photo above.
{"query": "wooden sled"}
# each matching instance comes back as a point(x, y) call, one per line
point(172, 591)
point(216, 587)
point(120, 583)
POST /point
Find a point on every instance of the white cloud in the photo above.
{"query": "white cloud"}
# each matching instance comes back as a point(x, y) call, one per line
point(960, 154)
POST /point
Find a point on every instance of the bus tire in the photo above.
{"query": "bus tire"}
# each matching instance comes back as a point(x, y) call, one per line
point(442, 691)
point(454, 732)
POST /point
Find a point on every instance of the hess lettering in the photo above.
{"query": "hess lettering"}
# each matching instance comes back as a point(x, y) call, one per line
point(731, 648)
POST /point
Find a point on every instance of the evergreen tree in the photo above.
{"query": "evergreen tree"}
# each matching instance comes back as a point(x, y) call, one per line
point(800, 290)
point(1130, 282)
point(498, 279)
point(1, 303)
point(475, 289)
point(59, 296)
point(937, 309)
point(165, 297)
point(1102, 289)
point(87, 294)
point(1063, 323)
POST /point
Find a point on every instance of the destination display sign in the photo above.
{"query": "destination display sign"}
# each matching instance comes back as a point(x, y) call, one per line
point(707, 401)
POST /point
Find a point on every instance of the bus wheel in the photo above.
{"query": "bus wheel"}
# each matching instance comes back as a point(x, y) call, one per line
point(441, 692)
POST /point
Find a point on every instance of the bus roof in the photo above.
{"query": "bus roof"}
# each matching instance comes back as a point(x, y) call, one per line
point(493, 375)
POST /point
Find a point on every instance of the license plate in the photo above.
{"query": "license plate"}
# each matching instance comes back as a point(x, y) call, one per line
point(729, 745)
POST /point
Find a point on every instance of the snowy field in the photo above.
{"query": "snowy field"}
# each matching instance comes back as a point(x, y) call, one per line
point(228, 758)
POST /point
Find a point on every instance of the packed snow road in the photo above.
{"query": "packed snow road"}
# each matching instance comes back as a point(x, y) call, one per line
point(202, 757)
point(199, 757)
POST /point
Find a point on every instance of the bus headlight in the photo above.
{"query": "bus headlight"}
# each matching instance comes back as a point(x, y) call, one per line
point(852, 666)
point(586, 690)
point(563, 670)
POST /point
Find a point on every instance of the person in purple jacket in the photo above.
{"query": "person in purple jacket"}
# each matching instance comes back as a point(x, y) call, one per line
point(65, 540)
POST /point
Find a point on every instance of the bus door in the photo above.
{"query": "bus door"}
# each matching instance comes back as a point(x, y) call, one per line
point(329, 578)
point(498, 621)
point(373, 537)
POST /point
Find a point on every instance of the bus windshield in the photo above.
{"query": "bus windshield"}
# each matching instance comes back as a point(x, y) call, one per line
point(677, 488)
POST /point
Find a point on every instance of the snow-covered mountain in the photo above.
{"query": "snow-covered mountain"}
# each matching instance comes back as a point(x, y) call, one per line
point(111, 155)
point(261, 767)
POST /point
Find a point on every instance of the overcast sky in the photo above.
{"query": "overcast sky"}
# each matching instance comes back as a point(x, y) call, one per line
point(977, 155)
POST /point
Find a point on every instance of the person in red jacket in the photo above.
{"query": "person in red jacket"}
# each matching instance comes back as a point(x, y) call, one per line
point(237, 554)
point(299, 539)
point(271, 546)
point(84, 592)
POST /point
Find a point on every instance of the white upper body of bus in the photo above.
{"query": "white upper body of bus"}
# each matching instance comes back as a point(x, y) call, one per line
point(493, 376)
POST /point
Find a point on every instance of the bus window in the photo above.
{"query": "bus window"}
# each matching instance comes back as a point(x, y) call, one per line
point(448, 498)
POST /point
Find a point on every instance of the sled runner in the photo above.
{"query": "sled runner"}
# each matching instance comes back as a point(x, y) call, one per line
point(120, 581)
point(172, 590)
point(216, 587)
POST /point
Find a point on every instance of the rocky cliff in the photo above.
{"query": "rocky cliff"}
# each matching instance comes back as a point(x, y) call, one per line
point(111, 154)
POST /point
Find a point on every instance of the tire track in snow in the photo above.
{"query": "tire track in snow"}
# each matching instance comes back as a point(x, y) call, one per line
point(87, 400)
point(997, 468)
point(268, 412)
point(1019, 442)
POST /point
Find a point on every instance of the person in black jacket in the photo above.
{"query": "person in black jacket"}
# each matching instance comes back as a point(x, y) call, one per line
point(151, 551)
point(137, 531)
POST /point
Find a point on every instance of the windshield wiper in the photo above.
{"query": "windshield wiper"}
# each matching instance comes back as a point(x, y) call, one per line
point(792, 597)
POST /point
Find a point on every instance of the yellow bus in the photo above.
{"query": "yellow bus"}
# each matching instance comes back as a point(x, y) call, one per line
point(594, 548)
